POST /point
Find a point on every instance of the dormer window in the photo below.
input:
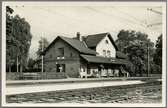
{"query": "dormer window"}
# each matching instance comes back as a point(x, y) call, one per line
point(106, 41)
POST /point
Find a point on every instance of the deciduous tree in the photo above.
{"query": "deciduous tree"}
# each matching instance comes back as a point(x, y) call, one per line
point(138, 47)
point(18, 40)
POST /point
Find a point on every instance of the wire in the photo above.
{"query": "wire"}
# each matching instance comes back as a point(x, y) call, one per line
point(76, 20)
point(130, 16)
point(125, 20)
point(155, 11)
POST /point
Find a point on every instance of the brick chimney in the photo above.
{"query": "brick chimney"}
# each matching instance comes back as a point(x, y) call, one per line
point(79, 36)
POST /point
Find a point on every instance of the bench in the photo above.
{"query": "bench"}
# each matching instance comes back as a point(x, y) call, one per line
point(31, 76)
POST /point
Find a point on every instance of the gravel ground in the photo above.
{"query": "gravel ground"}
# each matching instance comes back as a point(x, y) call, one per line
point(150, 92)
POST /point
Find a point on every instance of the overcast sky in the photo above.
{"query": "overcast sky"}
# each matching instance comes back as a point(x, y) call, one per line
point(51, 21)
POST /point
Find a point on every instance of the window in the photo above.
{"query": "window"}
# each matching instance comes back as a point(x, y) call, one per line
point(104, 53)
point(108, 53)
point(106, 41)
point(61, 52)
point(60, 67)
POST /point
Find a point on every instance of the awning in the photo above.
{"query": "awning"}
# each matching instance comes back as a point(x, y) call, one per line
point(105, 60)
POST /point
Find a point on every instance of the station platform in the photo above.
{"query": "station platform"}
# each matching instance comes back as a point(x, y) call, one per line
point(31, 86)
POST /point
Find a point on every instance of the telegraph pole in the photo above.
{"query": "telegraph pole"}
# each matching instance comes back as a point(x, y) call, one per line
point(42, 54)
point(148, 68)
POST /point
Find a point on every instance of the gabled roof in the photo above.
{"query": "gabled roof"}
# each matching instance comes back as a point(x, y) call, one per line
point(76, 44)
point(93, 40)
point(99, 59)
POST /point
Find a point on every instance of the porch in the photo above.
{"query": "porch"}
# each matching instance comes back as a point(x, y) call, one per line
point(98, 67)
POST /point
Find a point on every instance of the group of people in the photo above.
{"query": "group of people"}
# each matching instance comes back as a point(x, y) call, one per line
point(94, 73)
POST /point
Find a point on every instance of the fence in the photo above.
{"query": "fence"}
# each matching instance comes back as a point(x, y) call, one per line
point(49, 75)
point(34, 75)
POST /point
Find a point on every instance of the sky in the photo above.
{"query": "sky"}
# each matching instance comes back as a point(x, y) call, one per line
point(51, 21)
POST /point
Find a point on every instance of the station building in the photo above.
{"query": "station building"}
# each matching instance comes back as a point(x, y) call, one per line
point(85, 56)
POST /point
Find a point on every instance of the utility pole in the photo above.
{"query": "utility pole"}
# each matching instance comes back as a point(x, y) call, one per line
point(17, 64)
point(148, 68)
point(42, 53)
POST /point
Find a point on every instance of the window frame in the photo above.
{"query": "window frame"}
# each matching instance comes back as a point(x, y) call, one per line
point(61, 54)
point(63, 68)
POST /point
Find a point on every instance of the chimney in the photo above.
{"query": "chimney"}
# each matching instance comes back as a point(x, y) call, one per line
point(79, 36)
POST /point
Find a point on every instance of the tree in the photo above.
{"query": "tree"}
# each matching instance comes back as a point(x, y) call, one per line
point(9, 11)
point(9, 38)
point(18, 40)
point(136, 46)
point(43, 44)
point(30, 63)
point(158, 54)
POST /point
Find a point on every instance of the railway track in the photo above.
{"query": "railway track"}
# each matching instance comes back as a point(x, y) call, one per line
point(140, 93)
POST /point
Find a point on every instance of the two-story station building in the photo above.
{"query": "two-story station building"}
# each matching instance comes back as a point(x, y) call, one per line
point(87, 56)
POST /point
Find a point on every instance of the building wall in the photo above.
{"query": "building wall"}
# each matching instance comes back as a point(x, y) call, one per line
point(70, 59)
point(108, 47)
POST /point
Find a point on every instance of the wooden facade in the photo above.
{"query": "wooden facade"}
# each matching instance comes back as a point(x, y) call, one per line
point(69, 61)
